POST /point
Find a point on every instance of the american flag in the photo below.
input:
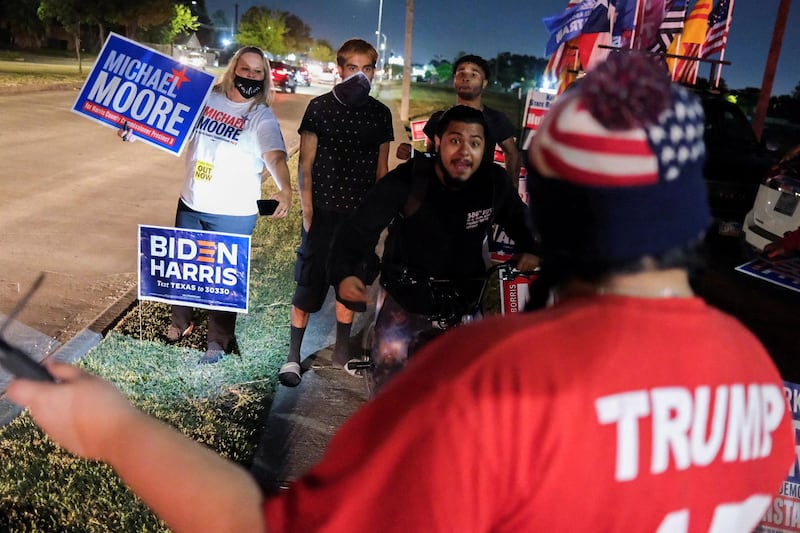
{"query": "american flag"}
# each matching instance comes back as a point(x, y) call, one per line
point(672, 25)
point(718, 26)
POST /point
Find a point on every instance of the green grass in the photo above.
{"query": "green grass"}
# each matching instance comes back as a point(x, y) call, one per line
point(33, 70)
point(43, 488)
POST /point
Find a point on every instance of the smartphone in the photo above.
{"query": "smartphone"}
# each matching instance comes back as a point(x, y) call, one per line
point(267, 207)
point(21, 364)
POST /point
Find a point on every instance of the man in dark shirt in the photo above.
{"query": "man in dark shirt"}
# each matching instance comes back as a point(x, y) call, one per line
point(344, 149)
point(438, 211)
point(470, 78)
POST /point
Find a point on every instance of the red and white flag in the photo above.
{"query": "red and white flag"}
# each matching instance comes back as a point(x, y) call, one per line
point(719, 23)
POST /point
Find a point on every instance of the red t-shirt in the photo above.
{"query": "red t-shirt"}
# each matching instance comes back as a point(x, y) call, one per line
point(600, 414)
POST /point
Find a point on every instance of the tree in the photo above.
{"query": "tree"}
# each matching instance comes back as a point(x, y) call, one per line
point(444, 70)
point(183, 21)
point(508, 68)
point(70, 14)
point(24, 26)
point(322, 50)
point(796, 92)
point(264, 28)
point(221, 22)
point(139, 15)
point(298, 34)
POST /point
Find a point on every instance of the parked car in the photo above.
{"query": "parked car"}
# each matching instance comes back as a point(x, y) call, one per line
point(736, 162)
point(775, 210)
point(327, 76)
point(194, 59)
point(283, 77)
point(302, 76)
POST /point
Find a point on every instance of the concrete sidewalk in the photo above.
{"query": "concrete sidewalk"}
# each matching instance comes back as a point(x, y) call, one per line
point(303, 419)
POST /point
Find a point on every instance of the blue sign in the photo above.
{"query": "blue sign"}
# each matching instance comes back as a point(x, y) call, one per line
point(783, 270)
point(194, 268)
point(157, 96)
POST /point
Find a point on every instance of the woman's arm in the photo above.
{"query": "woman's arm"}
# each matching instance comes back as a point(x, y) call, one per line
point(276, 164)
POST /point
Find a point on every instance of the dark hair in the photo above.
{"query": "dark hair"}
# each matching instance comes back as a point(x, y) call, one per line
point(477, 60)
point(355, 46)
point(461, 113)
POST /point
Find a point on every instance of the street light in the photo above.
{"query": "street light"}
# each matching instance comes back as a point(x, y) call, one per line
point(382, 52)
point(378, 31)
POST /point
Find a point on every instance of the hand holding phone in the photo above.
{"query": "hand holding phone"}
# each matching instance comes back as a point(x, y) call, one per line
point(267, 207)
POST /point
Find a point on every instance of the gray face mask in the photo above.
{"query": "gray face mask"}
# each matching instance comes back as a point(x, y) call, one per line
point(353, 91)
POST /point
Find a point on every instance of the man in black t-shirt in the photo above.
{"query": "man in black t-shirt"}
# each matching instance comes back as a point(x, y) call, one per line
point(470, 78)
point(344, 149)
point(438, 211)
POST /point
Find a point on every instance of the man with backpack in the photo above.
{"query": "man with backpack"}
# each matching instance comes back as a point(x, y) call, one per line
point(438, 211)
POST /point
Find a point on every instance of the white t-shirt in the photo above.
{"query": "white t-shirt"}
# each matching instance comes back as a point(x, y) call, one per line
point(224, 163)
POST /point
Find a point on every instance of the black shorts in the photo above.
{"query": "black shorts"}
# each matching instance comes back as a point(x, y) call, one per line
point(311, 268)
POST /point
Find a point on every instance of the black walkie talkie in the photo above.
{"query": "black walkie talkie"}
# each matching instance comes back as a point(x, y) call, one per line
point(12, 358)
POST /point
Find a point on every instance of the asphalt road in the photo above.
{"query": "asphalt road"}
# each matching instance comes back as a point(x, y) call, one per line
point(71, 198)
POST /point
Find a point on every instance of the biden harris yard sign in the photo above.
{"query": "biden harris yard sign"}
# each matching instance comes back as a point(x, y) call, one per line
point(156, 96)
point(195, 268)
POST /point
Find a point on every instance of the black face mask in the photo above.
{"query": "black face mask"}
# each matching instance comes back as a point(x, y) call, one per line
point(353, 91)
point(247, 87)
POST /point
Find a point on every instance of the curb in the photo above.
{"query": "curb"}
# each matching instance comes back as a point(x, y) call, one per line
point(79, 345)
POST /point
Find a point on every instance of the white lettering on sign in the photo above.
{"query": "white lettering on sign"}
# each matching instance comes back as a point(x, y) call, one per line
point(170, 258)
point(158, 111)
point(688, 429)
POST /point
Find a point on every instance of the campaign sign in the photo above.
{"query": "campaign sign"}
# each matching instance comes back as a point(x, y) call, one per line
point(195, 268)
point(157, 96)
point(416, 130)
point(784, 511)
point(538, 102)
point(780, 270)
point(514, 293)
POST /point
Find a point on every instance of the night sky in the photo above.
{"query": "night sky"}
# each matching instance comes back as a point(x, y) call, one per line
point(444, 28)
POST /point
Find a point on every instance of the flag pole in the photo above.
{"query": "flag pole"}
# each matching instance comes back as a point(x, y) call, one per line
point(635, 24)
point(722, 52)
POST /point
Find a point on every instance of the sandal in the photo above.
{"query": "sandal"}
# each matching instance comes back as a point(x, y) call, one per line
point(289, 374)
point(174, 333)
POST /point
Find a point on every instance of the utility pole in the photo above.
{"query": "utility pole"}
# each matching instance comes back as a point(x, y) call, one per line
point(769, 71)
point(235, 19)
point(406, 94)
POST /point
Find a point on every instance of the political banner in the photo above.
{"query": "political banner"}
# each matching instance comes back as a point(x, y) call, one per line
point(195, 268)
point(783, 514)
point(514, 292)
point(416, 130)
point(780, 270)
point(156, 96)
point(537, 104)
